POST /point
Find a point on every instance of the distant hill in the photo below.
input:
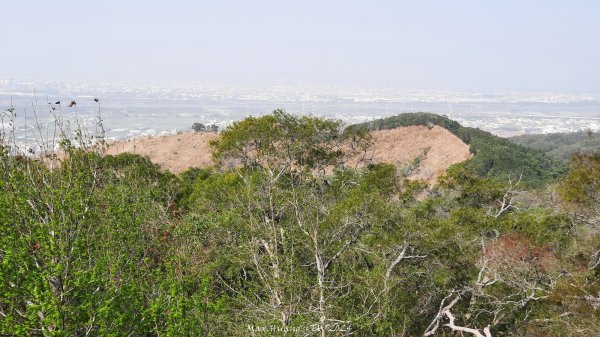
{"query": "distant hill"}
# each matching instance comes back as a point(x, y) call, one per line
point(418, 152)
point(493, 156)
point(561, 146)
point(421, 145)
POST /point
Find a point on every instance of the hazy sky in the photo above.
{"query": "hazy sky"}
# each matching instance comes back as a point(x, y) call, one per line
point(481, 45)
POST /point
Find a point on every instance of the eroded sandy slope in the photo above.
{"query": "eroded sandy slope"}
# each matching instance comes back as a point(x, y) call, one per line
point(436, 148)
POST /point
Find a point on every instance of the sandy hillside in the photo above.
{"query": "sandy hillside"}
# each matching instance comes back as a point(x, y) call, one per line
point(436, 148)
point(175, 153)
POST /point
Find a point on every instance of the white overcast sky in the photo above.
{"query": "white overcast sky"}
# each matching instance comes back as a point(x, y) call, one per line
point(491, 45)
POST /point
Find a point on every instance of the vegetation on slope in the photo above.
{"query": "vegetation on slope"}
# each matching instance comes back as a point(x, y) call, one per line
point(493, 156)
point(560, 146)
point(113, 246)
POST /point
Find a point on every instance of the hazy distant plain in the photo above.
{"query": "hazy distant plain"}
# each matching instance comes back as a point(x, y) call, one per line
point(133, 113)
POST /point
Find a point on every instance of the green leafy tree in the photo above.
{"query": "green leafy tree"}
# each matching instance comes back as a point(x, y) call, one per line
point(198, 127)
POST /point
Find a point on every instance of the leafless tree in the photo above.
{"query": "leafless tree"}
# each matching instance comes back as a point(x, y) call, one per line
point(507, 201)
point(528, 274)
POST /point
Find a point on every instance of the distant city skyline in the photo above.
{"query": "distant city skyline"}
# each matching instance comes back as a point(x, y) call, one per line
point(476, 46)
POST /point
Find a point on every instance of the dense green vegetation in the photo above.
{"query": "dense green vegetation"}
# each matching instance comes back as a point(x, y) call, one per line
point(282, 238)
point(561, 146)
point(494, 157)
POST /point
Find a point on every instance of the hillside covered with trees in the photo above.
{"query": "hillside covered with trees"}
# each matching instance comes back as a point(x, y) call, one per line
point(282, 238)
point(560, 146)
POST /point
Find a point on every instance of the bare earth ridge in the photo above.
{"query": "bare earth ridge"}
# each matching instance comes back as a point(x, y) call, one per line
point(436, 149)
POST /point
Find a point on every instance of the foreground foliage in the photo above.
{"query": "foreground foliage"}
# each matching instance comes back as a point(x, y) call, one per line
point(281, 237)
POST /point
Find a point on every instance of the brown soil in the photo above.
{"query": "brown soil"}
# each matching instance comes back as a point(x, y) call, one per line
point(436, 148)
point(175, 153)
